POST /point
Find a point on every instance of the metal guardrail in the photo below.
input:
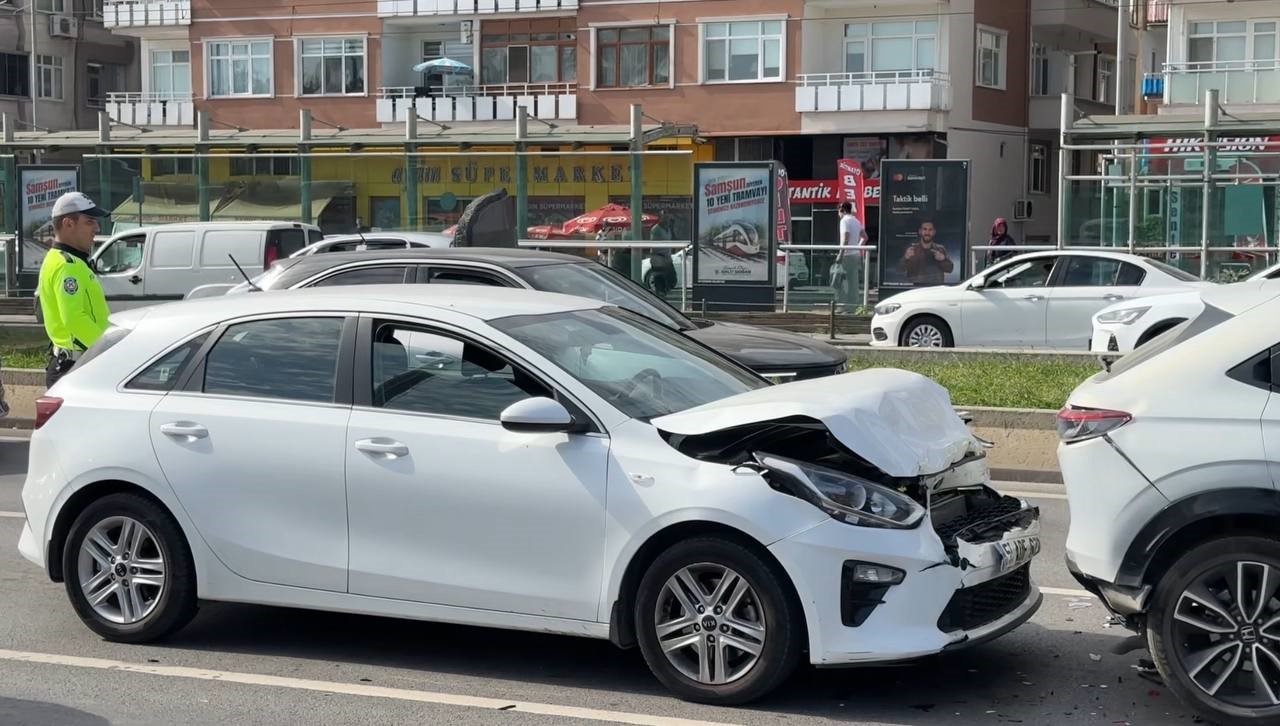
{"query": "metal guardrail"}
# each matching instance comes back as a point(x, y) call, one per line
point(786, 267)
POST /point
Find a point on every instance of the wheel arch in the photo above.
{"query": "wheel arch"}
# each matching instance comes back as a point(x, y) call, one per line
point(914, 317)
point(80, 500)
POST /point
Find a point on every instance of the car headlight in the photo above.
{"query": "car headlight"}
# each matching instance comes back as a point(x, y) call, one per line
point(1124, 316)
point(846, 497)
point(887, 308)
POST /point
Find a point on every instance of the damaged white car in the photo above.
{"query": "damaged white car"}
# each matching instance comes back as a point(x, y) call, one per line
point(517, 459)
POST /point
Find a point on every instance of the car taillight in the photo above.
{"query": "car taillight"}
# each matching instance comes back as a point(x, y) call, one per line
point(270, 254)
point(46, 407)
point(1081, 424)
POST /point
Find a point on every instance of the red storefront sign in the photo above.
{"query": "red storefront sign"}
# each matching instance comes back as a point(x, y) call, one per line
point(804, 191)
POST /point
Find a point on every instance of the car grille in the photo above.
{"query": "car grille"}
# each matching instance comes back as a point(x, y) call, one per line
point(999, 513)
point(979, 605)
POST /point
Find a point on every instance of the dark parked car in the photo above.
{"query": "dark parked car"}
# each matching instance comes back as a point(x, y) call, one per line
point(779, 355)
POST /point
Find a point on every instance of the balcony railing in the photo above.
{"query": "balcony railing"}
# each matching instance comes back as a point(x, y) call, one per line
point(417, 8)
point(1237, 82)
point(547, 101)
point(151, 109)
point(923, 90)
point(146, 13)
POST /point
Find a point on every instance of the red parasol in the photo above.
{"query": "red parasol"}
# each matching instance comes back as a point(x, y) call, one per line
point(610, 216)
point(547, 231)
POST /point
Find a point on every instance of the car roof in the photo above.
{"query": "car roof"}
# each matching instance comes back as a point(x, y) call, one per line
point(214, 224)
point(508, 257)
point(1125, 256)
point(386, 234)
point(478, 301)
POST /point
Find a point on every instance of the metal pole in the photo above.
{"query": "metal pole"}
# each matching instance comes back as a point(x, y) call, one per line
point(1064, 208)
point(786, 277)
point(1120, 54)
point(637, 187)
point(411, 166)
point(866, 278)
point(684, 280)
point(35, 76)
point(1210, 160)
point(522, 172)
point(1133, 197)
point(202, 165)
point(304, 170)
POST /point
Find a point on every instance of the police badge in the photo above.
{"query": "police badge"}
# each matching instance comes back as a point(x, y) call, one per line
point(70, 286)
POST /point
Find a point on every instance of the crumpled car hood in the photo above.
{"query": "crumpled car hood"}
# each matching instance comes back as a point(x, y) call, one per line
point(900, 422)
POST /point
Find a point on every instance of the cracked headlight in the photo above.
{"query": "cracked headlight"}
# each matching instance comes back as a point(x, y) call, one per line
point(887, 308)
point(1124, 316)
point(845, 497)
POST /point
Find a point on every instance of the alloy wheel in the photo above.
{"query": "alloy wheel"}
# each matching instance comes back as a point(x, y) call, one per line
point(121, 570)
point(1226, 634)
point(925, 336)
point(710, 623)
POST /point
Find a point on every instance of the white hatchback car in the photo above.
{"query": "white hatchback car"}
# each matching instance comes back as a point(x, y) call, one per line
point(518, 459)
point(1035, 300)
point(1172, 466)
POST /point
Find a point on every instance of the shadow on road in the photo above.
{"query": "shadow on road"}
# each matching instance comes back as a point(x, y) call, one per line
point(15, 712)
point(1021, 676)
point(13, 457)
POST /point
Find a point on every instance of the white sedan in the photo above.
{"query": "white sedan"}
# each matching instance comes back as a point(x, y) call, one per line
point(1036, 300)
point(1125, 326)
point(518, 459)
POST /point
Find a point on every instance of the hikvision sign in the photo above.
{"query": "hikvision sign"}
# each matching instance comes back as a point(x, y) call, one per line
point(1229, 145)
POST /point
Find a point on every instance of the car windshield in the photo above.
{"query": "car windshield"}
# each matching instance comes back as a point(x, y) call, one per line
point(595, 281)
point(641, 367)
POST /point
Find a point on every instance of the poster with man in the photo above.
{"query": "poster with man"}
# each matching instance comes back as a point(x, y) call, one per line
point(924, 222)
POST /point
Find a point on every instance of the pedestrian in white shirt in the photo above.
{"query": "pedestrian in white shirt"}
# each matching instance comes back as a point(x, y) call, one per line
point(844, 274)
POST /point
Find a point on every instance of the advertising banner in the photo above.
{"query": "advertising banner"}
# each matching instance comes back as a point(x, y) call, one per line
point(782, 198)
point(737, 216)
point(852, 187)
point(41, 186)
point(924, 223)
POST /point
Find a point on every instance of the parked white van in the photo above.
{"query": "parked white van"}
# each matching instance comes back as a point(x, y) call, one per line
point(150, 265)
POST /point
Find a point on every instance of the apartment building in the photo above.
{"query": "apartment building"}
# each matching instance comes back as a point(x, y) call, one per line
point(77, 61)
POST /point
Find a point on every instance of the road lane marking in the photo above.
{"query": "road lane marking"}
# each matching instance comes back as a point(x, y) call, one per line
point(14, 515)
point(352, 689)
point(1032, 495)
point(1066, 592)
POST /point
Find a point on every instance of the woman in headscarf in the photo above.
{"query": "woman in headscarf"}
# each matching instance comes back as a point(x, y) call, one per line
point(1000, 238)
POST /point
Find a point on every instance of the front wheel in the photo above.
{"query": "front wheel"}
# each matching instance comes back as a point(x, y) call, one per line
point(128, 570)
point(927, 331)
point(716, 624)
point(1214, 630)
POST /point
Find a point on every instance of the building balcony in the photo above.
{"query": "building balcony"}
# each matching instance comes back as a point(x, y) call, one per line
point(873, 91)
point(437, 8)
point(1237, 82)
point(142, 109)
point(546, 101)
point(120, 14)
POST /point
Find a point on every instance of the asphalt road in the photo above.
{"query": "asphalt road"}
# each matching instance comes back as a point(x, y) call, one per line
point(254, 665)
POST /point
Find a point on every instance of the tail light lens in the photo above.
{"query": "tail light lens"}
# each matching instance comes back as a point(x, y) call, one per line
point(46, 407)
point(1081, 424)
point(270, 254)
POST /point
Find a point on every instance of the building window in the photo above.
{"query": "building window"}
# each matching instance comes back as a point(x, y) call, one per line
point(1039, 169)
point(49, 77)
point(632, 57)
point(332, 66)
point(435, 81)
point(743, 51)
point(266, 166)
point(51, 6)
point(899, 45)
point(1232, 42)
point(171, 74)
point(173, 166)
point(103, 80)
point(1105, 92)
point(15, 75)
point(991, 57)
point(240, 68)
point(542, 51)
point(1039, 70)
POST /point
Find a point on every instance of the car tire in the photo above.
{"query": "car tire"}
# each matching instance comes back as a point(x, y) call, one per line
point(764, 615)
point(131, 612)
point(928, 328)
point(1233, 564)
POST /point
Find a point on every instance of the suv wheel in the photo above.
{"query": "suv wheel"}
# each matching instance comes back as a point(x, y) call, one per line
point(128, 570)
point(1214, 630)
point(716, 624)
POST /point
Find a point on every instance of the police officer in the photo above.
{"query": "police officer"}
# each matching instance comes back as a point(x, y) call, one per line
point(74, 307)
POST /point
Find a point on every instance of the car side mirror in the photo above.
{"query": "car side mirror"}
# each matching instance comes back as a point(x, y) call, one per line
point(538, 415)
point(978, 284)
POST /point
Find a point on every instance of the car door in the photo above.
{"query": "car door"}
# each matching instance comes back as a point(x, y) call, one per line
point(119, 268)
point(448, 507)
point(1084, 285)
point(1010, 309)
point(253, 445)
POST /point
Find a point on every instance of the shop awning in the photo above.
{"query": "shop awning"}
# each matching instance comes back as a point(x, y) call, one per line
point(278, 199)
point(155, 210)
point(243, 210)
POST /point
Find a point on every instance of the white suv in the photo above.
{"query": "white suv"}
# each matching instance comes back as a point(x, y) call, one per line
point(1171, 460)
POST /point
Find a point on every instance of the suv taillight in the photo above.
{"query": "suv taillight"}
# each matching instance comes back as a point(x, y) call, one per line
point(1081, 424)
point(46, 407)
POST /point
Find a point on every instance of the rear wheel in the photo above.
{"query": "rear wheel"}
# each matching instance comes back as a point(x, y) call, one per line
point(927, 331)
point(1214, 630)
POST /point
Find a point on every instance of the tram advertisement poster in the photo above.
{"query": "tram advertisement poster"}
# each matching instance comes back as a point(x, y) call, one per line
point(734, 224)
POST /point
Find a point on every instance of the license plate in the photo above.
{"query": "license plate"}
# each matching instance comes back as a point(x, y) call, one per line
point(1013, 553)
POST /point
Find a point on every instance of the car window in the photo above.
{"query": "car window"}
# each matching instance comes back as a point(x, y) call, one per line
point(173, 250)
point(380, 275)
point(426, 372)
point(163, 374)
point(314, 236)
point(341, 247)
point(287, 241)
point(122, 255)
point(595, 281)
point(1172, 271)
point(1031, 273)
point(386, 244)
point(446, 276)
point(1083, 271)
point(290, 358)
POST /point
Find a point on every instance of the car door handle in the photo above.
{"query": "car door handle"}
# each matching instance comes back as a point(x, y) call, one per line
point(184, 429)
point(135, 279)
point(1113, 296)
point(1034, 298)
point(386, 447)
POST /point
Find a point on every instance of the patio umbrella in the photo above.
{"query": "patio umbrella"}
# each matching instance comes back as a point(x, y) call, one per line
point(610, 216)
point(444, 65)
point(548, 232)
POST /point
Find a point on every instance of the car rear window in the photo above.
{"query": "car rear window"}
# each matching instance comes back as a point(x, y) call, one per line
point(1172, 271)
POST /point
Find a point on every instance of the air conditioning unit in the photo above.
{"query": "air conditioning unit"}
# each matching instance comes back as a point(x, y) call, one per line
point(1022, 210)
point(63, 26)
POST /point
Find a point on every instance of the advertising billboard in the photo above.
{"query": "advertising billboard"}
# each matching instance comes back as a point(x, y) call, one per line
point(924, 223)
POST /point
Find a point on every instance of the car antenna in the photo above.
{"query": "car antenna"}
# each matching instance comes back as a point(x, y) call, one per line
point(252, 284)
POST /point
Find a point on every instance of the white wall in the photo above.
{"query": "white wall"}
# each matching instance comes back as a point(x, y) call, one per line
point(1184, 12)
point(403, 48)
point(994, 181)
point(144, 57)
